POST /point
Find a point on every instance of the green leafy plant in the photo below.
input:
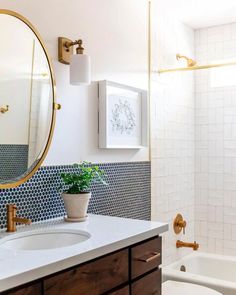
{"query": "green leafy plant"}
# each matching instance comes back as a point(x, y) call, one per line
point(81, 181)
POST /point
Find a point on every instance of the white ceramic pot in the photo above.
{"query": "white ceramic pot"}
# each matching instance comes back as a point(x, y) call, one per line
point(76, 205)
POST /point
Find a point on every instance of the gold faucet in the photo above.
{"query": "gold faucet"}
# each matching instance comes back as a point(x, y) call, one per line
point(12, 219)
point(194, 246)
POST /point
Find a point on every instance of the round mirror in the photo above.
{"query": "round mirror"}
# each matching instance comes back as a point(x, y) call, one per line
point(27, 100)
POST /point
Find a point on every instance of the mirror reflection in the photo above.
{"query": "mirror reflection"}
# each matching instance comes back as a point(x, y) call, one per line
point(26, 99)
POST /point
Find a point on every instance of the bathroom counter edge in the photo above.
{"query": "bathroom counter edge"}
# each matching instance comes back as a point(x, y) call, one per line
point(108, 234)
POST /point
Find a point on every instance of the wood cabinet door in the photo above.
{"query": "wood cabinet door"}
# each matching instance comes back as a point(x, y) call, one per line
point(145, 257)
point(93, 278)
point(148, 285)
point(31, 290)
point(123, 291)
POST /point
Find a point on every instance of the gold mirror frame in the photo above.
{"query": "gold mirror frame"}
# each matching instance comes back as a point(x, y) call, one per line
point(55, 106)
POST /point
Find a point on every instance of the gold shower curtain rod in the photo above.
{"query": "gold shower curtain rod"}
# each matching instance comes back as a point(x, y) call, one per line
point(194, 68)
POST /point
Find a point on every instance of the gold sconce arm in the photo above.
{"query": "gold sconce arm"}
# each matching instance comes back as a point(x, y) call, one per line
point(5, 109)
point(79, 49)
point(65, 49)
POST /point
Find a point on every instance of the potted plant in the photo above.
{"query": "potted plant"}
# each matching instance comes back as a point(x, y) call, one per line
point(77, 193)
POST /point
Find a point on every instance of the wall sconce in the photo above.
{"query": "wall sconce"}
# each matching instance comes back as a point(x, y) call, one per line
point(80, 68)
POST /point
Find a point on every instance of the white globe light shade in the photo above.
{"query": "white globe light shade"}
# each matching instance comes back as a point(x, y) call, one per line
point(80, 69)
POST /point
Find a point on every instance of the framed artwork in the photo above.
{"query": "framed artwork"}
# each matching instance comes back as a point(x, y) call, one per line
point(123, 116)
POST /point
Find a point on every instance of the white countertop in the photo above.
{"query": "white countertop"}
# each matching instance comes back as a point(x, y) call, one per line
point(108, 234)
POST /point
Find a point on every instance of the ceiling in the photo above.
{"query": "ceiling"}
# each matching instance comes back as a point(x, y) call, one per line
point(203, 13)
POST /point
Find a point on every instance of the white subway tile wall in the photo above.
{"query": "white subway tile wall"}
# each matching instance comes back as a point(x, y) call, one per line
point(193, 117)
point(172, 120)
point(215, 141)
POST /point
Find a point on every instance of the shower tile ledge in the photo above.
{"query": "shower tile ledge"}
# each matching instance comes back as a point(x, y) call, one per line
point(108, 234)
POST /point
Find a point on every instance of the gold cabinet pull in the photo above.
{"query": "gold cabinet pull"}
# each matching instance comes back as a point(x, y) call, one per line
point(5, 109)
point(155, 255)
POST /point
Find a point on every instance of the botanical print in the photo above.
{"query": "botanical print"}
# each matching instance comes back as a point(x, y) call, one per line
point(122, 113)
point(123, 119)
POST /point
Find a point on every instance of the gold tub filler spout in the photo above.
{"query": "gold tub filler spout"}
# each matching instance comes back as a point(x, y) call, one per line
point(181, 244)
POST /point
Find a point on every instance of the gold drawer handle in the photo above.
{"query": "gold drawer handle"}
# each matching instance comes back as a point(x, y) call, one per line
point(154, 256)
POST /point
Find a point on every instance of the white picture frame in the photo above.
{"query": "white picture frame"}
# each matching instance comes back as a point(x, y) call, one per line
point(123, 116)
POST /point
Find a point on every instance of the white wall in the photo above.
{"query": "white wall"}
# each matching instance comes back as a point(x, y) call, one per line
point(216, 141)
point(115, 36)
point(172, 130)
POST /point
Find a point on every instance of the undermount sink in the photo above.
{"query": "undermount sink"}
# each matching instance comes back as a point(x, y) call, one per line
point(44, 240)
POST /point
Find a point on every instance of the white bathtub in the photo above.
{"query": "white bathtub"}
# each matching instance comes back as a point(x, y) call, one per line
point(217, 272)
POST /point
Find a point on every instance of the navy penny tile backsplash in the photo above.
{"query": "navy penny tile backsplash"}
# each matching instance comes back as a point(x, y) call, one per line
point(127, 195)
point(13, 160)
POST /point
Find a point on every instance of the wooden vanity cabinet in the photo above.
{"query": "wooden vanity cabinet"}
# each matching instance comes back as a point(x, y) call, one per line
point(145, 257)
point(122, 291)
point(130, 271)
point(95, 278)
point(33, 289)
point(148, 285)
